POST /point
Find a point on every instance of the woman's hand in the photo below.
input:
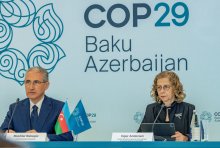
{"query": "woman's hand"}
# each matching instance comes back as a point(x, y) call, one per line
point(180, 137)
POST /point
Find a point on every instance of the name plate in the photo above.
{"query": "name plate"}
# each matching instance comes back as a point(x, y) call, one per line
point(132, 137)
point(26, 136)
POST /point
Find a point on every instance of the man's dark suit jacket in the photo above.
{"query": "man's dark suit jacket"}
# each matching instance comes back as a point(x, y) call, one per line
point(48, 116)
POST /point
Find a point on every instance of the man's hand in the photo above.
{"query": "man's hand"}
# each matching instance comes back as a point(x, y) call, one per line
point(179, 137)
point(10, 131)
point(31, 131)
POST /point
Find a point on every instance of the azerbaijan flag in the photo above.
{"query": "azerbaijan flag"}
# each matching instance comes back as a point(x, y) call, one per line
point(62, 125)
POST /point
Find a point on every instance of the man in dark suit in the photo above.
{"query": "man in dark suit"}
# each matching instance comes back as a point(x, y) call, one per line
point(37, 113)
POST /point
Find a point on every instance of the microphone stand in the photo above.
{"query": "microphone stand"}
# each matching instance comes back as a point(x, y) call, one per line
point(157, 117)
point(13, 114)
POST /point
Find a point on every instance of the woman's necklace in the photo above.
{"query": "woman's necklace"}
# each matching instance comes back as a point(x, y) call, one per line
point(167, 116)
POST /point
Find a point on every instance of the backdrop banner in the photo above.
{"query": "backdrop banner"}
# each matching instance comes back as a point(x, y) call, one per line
point(109, 52)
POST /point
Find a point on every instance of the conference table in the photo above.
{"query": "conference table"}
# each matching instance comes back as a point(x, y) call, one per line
point(106, 144)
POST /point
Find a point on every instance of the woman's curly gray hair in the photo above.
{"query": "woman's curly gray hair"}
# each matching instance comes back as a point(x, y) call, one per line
point(176, 85)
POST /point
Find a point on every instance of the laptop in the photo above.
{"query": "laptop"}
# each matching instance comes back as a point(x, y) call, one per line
point(162, 131)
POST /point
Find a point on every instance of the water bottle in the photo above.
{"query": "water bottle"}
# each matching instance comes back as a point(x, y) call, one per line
point(194, 127)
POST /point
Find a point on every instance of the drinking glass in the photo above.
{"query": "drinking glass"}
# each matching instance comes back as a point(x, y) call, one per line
point(204, 130)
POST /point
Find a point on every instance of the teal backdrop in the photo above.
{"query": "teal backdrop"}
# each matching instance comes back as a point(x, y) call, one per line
point(108, 53)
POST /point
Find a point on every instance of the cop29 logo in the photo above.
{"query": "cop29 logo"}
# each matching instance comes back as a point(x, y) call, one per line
point(183, 17)
point(206, 116)
point(47, 28)
point(138, 117)
point(76, 112)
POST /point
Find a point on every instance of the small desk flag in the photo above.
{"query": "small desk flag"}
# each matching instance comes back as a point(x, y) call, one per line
point(62, 124)
point(78, 119)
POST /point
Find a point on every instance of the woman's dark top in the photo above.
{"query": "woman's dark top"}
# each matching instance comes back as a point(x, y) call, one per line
point(179, 113)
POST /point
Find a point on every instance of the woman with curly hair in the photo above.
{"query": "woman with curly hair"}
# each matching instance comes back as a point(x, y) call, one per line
point(168, 90)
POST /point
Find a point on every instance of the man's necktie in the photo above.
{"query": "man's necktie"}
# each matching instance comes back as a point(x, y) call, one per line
point(34, 117)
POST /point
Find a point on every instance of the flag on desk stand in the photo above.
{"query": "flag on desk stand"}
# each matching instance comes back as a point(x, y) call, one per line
point(78, 119)
point(62, 124)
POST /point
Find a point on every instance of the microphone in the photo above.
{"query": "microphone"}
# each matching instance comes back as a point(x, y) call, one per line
point(13, 114)
point(157, 117)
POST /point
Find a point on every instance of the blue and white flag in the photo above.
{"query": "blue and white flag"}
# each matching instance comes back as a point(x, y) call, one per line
point(78, 119)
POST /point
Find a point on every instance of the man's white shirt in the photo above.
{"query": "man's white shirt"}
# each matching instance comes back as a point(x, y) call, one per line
point(39, 104)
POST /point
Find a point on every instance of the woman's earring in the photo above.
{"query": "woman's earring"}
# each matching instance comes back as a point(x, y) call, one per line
point(158, 99)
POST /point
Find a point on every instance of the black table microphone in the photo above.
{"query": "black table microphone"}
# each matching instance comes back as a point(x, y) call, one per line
point(162, 106)
point(13, 114)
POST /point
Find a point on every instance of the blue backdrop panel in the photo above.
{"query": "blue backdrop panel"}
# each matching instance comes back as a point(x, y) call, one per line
point(108, 53)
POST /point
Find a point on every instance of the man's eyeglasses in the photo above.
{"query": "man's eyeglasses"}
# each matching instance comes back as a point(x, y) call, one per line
point(35, 82)
point(165, 87)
